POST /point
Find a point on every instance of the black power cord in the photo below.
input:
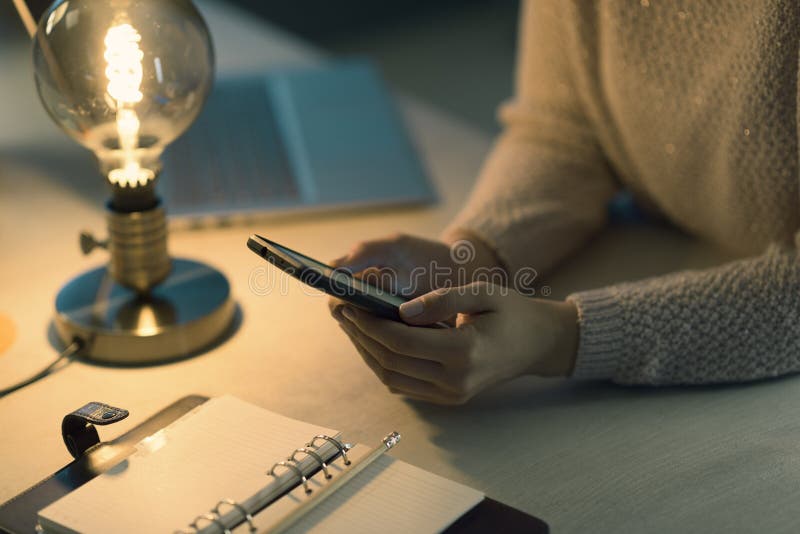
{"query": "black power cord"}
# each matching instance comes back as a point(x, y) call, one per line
point(65, 357)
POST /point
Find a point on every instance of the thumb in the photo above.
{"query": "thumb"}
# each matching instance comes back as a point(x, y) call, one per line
point(442, 304)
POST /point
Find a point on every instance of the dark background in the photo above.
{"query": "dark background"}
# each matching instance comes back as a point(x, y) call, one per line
point(455, 54)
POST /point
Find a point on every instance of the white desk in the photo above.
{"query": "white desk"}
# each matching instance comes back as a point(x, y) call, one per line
point(584, 457)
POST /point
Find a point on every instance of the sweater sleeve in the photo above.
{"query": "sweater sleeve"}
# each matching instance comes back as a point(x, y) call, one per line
point(733, 323)
point(544, 188)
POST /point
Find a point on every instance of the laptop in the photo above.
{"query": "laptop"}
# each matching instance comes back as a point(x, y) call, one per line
point(293, 140)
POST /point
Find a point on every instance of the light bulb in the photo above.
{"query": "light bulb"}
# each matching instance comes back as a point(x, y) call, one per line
point(124, 78)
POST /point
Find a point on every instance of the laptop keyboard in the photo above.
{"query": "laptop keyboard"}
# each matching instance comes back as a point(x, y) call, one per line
point(232, 159)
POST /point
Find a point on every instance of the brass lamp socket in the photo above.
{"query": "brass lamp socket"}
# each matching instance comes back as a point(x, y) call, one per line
point(137, 242)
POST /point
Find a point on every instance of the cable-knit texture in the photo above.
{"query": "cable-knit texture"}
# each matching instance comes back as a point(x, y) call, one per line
point(693, 106)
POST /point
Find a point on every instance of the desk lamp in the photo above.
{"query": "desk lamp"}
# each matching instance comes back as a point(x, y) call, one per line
point(124, 78)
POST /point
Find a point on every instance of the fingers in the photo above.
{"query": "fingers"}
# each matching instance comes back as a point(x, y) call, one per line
point(401, 384)
point(439, 345)
point(383, 278)
point(367, 254)
point(405, 257)
point(442, 304)
point(419, 368)
point(439, 398)
point(335, 306)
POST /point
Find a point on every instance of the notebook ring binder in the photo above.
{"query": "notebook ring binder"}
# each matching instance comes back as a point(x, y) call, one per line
point(314, 455)
point(296, 470)
point(247, 516)
point(336, 443)
point(213, 518)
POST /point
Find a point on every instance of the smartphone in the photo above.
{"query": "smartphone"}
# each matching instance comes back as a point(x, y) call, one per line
point(335, 282)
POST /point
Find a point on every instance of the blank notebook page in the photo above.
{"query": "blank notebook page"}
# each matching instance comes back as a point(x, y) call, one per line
point(221, 449)
point(389, 497)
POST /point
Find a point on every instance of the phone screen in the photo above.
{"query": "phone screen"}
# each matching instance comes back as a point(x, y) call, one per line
point(341, 277)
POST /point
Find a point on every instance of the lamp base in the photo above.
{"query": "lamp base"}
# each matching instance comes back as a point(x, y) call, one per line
point(187, 312)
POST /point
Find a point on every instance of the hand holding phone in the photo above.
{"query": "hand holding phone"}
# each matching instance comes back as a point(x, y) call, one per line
point(335, 282)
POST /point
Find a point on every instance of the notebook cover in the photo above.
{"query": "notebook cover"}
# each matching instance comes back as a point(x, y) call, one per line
point(493, 516)
point(18, 515)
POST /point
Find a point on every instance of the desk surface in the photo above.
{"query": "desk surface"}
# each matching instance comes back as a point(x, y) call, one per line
point(583, 456)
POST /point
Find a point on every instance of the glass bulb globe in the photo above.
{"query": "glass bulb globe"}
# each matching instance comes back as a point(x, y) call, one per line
point(124, 78)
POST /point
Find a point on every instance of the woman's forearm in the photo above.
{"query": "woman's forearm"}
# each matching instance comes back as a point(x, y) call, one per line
point(733, 323)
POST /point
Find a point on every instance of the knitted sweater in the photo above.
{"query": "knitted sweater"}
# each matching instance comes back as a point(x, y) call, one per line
point(692, 106)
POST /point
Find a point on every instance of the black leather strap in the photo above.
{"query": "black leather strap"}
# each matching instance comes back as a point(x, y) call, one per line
point(78, 429)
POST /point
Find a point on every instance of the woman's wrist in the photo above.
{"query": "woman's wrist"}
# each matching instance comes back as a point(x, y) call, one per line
point(559, 361)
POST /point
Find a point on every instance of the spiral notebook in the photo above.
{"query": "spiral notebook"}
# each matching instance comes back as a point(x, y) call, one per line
point(208, 471)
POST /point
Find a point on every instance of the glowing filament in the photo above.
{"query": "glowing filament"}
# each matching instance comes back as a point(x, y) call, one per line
point(124, 72)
